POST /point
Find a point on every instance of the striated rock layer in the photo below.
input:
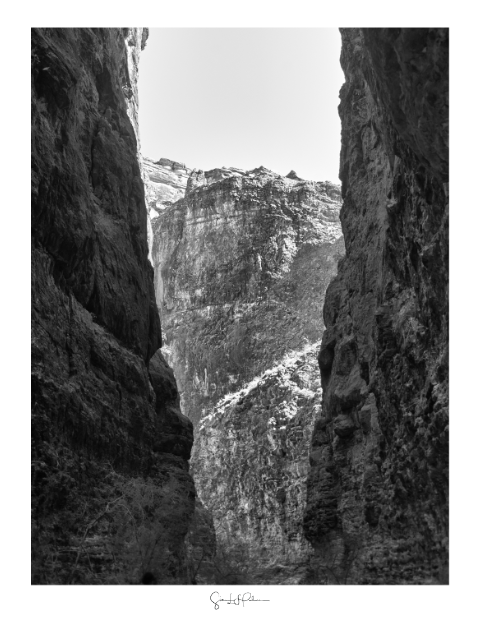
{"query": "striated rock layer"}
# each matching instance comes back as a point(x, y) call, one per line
point(241, 267)
point(378, 486)
point(111, 494)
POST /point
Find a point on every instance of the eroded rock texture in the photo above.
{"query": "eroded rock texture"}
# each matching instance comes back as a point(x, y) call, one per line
point(242, 263)
point(165, 182)
point(112, 497)
point(378, 489)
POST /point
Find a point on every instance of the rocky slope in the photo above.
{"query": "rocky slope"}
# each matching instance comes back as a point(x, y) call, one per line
point(241, 267)
point(378, 487)
point(111, 494)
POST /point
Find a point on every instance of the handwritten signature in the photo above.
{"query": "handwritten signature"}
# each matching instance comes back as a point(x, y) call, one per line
point(240, 599)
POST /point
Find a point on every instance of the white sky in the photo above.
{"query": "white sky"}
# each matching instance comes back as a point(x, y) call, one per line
point(243, 98)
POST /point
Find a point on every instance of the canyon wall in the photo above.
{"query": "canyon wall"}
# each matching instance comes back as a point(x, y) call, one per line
point(112, 498)
point(377, 495)
point(242, 263)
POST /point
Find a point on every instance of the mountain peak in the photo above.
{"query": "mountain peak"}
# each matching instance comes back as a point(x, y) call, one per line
point(293, 175)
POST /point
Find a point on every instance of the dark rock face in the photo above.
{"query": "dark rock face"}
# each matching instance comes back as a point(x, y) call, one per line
point(109, 444)
point(88, 214)
point(377, 490)
point(292, 175)
point(242, 263)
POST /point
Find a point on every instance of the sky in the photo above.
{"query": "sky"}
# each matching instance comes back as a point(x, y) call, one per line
point(243, 98)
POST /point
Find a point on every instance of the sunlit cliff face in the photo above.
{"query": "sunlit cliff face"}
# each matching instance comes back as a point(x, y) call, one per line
point(241, 267)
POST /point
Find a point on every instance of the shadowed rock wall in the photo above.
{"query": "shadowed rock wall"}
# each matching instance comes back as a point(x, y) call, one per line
point(377, 495)
point(112, 497)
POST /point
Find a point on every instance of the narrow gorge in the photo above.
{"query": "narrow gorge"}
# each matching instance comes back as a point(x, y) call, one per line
point(304, 332)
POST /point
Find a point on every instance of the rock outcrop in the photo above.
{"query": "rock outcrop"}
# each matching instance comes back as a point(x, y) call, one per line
point(111, 494)
point(242, 263)
point(165, 182)
point(378, 486)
